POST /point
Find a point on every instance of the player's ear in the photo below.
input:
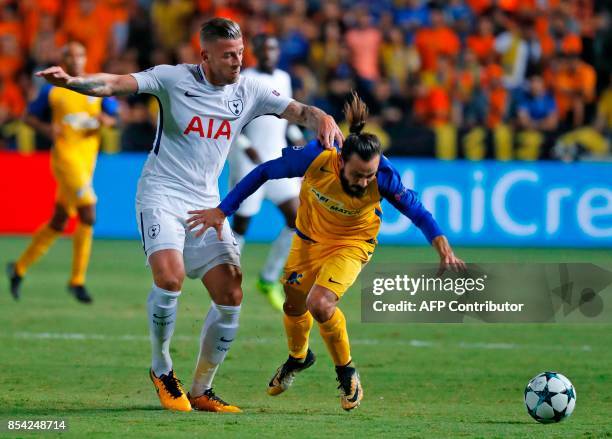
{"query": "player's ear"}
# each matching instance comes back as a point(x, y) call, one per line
point(204, 54)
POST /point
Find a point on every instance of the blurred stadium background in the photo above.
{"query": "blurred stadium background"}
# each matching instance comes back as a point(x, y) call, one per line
point(499, 112)
point(523, 82)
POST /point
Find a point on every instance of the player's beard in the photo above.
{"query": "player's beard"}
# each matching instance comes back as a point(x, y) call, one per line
point(352, 190)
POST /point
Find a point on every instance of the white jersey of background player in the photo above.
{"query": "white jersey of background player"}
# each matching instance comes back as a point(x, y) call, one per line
point(262, 140)
point(202, 109)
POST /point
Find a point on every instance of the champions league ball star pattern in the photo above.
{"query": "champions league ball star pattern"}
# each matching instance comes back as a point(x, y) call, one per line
point(550, 397)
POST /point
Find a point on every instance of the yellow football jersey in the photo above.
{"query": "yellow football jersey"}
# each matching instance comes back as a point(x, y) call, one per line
point(78, 140)
point(327, 214)
point(336, 232)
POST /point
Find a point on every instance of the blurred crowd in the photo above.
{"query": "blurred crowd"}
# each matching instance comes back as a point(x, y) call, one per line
point(522, 79)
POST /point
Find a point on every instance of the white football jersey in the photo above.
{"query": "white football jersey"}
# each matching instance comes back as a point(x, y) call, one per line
point(268, 133)
point(196, 126)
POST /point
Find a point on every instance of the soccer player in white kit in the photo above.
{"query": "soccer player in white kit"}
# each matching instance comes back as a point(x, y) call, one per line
point(202, 110)
point(262, 140)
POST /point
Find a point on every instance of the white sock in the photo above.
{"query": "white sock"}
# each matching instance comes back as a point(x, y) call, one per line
point(218, 332)
point(278, 255)
point(240, 240)
point(162, 308)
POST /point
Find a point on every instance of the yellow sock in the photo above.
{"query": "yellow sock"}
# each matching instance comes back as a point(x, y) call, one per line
point(44, 237)
point(335, 336)
point(297, 329)
point(81, 245)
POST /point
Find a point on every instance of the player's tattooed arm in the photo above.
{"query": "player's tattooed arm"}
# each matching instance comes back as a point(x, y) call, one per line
point(99, 84)
point(316, 120)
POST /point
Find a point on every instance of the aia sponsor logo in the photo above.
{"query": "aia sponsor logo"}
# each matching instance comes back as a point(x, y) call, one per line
point(209, 128)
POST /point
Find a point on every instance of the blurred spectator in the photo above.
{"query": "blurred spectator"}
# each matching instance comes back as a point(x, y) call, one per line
point(12, 105)
point(517, 50)
point(399, 60)
point(411, 15)
point(325, 52)
point(603, 121)
point(90, 23)
point(435, 41)
point(496, 96)
point(139, 131)
point(452, 71)
point(469, 106)
point(432, 105)
point(293, 43)
point(574, 84)
point(482, 43)
point(170, 21)
point(537, 109)
point(460, 16)
point(364, 43)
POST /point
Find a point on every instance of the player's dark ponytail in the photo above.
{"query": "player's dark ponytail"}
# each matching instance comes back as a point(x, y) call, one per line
point(365, 145)
point(356, 113)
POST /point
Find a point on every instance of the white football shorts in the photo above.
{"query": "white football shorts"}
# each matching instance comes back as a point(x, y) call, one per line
point(162, 225)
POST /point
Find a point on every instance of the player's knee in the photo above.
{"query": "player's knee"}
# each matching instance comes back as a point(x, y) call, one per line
point(58, 222)
point(320, 308)
point(87, 215)
point(170, 281)
point(294, 309)
point(88, 219)
point(231, 297)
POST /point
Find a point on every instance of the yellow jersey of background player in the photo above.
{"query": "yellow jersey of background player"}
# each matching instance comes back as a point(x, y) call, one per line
point(72, 121)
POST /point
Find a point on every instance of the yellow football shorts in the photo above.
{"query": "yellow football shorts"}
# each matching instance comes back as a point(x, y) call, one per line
point(74, 189)
point(333, 266)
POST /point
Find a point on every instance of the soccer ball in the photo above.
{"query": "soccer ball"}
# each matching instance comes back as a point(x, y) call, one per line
point(550, 397)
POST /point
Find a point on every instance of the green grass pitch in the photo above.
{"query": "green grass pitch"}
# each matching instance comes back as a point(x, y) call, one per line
point(88, 364)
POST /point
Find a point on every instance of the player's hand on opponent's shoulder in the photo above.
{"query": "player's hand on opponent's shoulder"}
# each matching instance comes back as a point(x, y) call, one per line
point(207, 218)
point(55, 75)
point(448, 260)
point(329, 132)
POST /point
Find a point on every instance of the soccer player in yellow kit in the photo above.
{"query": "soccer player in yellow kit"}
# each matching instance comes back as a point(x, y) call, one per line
point(75, 130)
point(337, 223)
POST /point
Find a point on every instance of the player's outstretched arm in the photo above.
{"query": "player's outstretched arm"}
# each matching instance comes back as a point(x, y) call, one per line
point(448, 260)
point(316, 120)
point(98, 84)
point(407, 202)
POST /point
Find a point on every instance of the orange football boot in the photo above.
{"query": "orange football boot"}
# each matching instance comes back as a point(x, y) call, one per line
point(170, 391)
point(209, 402)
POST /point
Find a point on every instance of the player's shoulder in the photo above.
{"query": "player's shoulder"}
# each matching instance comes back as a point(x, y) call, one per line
point(45, 90)
point(309, 151)
point(174, 71)
point(387, 176)
point(385, 164)
point(281, 74)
